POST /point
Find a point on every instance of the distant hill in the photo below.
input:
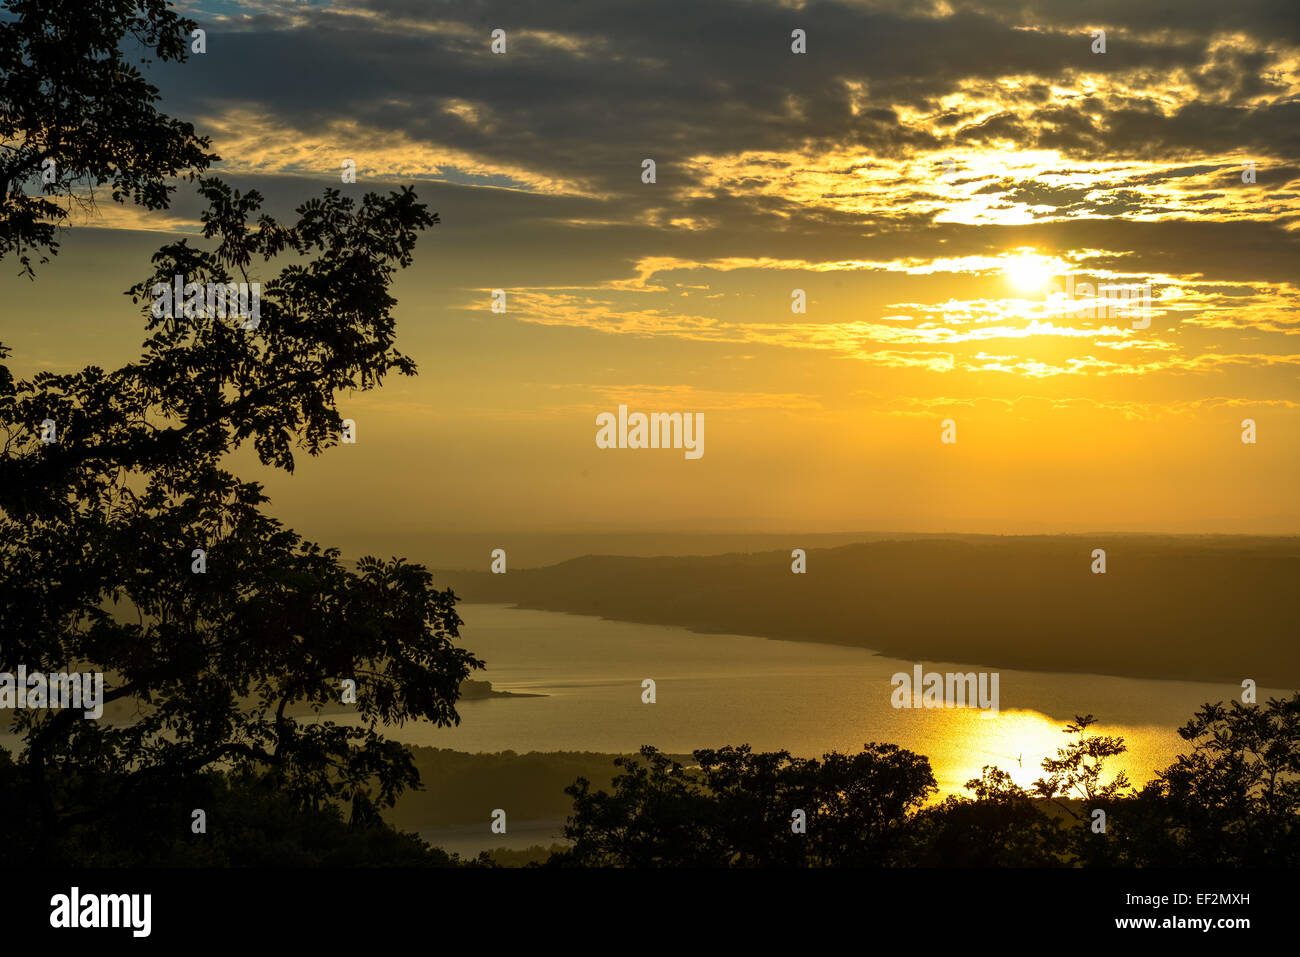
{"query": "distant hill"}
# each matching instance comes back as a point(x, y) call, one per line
point(1212, 608)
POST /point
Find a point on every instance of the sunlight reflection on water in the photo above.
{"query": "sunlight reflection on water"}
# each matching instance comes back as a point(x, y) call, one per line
point(804, 697)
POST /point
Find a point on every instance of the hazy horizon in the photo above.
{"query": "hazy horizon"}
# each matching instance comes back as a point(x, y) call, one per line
point(470, 549)
point(927, 217)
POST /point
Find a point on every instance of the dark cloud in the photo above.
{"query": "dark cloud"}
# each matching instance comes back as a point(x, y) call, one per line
point(713, 78)
point(590, 87)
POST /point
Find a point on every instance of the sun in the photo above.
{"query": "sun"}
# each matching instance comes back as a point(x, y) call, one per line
point(1028, 271)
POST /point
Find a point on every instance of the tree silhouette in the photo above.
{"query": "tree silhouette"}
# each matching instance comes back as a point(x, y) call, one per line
point(1076, 771)
point(1232, 801)
point(77, 114)
point(1004, 826)
point(735, 809)
point(98, 528)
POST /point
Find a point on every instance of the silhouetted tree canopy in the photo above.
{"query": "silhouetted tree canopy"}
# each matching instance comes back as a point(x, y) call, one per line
point(97, 531)
point(71, 93)
point(250, 824)
point(735, 810)
point(1004, 826)
point(1232, 802)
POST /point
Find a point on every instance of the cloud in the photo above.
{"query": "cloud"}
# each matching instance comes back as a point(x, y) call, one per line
point(909, 154)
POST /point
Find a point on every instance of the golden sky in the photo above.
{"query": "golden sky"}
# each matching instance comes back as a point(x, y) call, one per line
point(926, 174)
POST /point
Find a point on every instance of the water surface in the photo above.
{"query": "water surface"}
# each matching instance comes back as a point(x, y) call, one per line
point(804, 697)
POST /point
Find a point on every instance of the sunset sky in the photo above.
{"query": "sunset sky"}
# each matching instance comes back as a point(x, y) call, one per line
point(924, 172)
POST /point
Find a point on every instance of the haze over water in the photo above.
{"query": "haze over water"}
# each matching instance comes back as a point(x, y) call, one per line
point(804, 697)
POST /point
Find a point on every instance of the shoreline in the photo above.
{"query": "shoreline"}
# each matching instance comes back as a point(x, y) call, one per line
point(1155, 610)
point(904, 654)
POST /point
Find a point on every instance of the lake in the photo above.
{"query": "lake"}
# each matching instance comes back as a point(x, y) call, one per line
point(804, 697)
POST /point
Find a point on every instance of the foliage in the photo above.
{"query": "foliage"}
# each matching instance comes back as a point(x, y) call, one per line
point(1232, 801)
point(98, 528)
point(69, 94)
point(1004, 826)
point(249, 824)
point(734, 809)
